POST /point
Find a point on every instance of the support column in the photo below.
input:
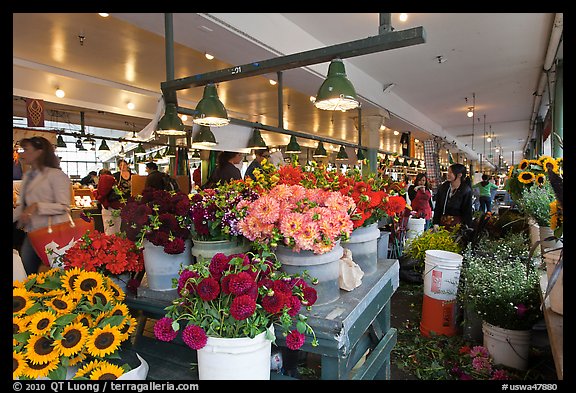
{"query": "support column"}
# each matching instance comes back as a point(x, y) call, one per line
point(558, 111)
point(373, 124)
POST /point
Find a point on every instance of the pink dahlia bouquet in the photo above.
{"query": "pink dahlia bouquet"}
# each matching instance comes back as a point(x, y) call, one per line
point(235, 296)
point(215, 213)
point(159, 216)
point(299, 218)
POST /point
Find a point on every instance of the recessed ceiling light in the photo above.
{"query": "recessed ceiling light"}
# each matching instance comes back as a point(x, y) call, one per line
point(209, 56)
point(104, 14)
point(403, 17)
point(60, 93)
point(130, 105)
point(272, 82)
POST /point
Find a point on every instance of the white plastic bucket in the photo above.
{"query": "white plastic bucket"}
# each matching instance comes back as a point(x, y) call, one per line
point(363, 243)
point(383, 244)
point(161, 267)
point(415, 227)
point(534, 231)
point(507, 347)
point(556, 295)
point(235, 358)
point(207, 249)
point(441, 274)
point(547, 232)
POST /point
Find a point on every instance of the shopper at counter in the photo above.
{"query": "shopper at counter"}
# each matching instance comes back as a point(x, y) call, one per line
point(124, 178)
point(110, 202)
point(45, 194)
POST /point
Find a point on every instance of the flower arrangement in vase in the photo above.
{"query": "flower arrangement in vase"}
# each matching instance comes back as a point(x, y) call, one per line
point(112, 255)
point(215, 213)
point(68, 318)
point(161, 217)
point(298, 218)
point(531, 172)
point(235, 296)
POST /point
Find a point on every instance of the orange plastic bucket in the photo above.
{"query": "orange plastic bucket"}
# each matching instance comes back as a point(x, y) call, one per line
point(438, 316)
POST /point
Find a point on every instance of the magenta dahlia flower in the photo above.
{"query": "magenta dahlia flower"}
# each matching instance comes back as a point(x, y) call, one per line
point(194, 336)
point(163, 330)
point(295, 340)
point(242, 307)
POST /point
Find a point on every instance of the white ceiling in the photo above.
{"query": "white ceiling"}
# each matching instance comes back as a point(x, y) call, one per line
point(497, 57)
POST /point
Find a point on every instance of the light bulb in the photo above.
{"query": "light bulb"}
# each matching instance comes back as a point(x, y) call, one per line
point(209, 56)
point(60, 93)
point(470, 112)
point(403, 17)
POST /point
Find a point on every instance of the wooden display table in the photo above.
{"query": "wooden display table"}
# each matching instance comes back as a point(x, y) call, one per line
point(555, 327)
point(354, 333)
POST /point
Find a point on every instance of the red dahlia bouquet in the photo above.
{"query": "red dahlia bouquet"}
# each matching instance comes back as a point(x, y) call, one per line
point(234, 296)
point(161, 217)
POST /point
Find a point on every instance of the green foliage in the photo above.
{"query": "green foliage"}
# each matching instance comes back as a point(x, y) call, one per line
point(535, 202)
point(432, 239)
point(501, 284)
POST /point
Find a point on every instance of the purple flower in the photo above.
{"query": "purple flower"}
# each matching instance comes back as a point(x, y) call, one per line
point(208, 289)
point(194, 336)
point(163, 330)
point(521, 310)
point(242, 307)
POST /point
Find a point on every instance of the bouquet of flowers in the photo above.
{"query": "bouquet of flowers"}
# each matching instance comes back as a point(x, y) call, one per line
point(161, 217)
point(107, 254)
point(299, 218)
point(68, 318)
point(236, 296)
point(475, 363)
point(215, 213)
point(529, 173)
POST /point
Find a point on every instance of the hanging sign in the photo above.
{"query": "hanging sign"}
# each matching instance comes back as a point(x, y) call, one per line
point(35, 112)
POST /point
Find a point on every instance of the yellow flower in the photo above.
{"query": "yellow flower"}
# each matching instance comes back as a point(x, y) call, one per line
point(87, 369)
point(20, 301)
point(85, 319)
point(86, 281)
point(41, 322)
point(107, 371)
point(103, 341)
point(542, 160)
point(526, 177)
point(120, 309)
point(73, 338)
point(77, 359)
point(18, 364)
point(540, 179)
point(523, 164)
point(118, 293)
point(510, 170)
point(100, 294)
point(19, 324)
point(128, 327)
point(68, 279)
point(40, 370)
point(555, 215)
point(41, 349)
point(550, 163)
point(62, 304)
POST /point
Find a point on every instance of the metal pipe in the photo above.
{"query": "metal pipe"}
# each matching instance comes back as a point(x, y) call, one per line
point(280, 100)
point(365, 46)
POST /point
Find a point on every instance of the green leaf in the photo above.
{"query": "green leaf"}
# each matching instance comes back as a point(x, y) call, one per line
point(65, 319)
point(58, 374)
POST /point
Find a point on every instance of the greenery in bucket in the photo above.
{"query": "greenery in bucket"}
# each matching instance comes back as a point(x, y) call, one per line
point(535, 202)
point(432, 239)
point(501, 284)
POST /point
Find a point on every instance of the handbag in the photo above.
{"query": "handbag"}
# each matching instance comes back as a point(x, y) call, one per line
point(52, 241)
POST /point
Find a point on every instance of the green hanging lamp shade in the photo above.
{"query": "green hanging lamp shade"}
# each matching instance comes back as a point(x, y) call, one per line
point(396, 162)
point(140, 150)
point(320, 151)
point(342, 155)
point(170, 152)
point(157, 156)
point(293, 146)
point(256, 141)
point(360, 154)
point(336, 92)
point(204, 137)
point(104, 145)
point(210, 110)
point(170, 123)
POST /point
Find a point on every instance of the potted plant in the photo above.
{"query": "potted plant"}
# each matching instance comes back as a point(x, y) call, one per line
point(237, 299)
point(112, 255)
point(215, 215)
point(68, 324)
point(159, 223)
point(412, 260)
point(501, 284)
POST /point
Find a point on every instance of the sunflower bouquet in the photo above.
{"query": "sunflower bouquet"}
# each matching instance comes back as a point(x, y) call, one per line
point(68, 322)
point(529, 173)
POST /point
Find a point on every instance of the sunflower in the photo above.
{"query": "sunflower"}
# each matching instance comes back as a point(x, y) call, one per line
point(540, 179)
point(103, 341)
point(101, 294)
point(76, 359)
point(69, 278)
point(120, 309)
point(20, 301)
point(41, 322)
point(542, 160)
point(19, 324)
point(18, 364)
point(87, 369)
point(555, 215)
point(510, 170)
point(107, 371)
point(118, 293)
point(128, 327)
point(41, 349)
point(85, 319)
point(40, 370)
point(62, 304)
point(73, 338)
point(526, 177)
point(86, 281)
point(550, 163)
point(523, 164)
point(18, 284)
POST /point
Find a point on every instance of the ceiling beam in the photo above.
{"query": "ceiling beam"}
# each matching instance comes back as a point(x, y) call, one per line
point(379, 43)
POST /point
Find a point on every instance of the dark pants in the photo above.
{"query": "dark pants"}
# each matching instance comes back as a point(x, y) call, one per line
point(30, 259)
point(485, 204)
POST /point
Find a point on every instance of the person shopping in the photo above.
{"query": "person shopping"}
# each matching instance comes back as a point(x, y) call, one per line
point(421, 198)
point(454, 199)
point(226, 170)
point(45, 195)
point(110, 202)
point(485, 187)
